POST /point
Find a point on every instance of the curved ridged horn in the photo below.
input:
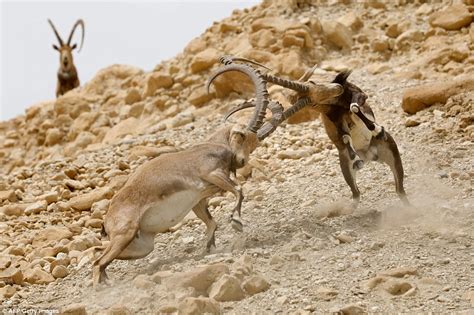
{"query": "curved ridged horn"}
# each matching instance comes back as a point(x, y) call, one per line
point(294, 85)
point(261, 97)
point(56, 32)
point(269, 126)
point(81, 23)
point(241, 59)
point(308, 74)
point(300, 103)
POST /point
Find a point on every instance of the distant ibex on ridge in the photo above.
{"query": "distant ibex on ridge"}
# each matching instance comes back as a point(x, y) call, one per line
point(350, 124)
point(67, 73)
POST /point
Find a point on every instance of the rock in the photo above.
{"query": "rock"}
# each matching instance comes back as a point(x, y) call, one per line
point(11, 275)
point(36, 207)
point(53, 136)
point(452, 17)
point(13, 209)
point(199, 96)
point(7, 195)
point(200, 278)
point(423, 96)
point(94, 223)
point(119, 310)
point(74, 309)
point(352, 309)
point(411, 122)
point(181, 119)
point(227, 288)
point(37, 276)
point(51, 197)
point(51, 235)
point(400, 272)
point(7, 292)
point(204, 60)
point(133, 96)
point(351, 20)
point(155, 81)
point(396, 287)
point(469, 295)
point(143, 282)
point(197, 306)
point(380, 44)
point(326, 294)
point(338, 34)
point(84, 202)
point(471, 33)
point(293, 154)
point(256, 284)
point(60, 271)
point(129, 126)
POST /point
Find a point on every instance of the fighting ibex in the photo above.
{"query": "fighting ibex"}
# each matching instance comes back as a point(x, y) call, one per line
point(67, 73)
point(162, 191)
point(350, 124)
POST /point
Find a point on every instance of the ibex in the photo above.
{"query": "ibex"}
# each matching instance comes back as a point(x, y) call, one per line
point(67, 73)
point(350, 125)
point(164, 190)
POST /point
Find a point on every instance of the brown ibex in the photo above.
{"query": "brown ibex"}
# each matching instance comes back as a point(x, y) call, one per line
point(350, 124)
point(162, 191)
point(67, 73)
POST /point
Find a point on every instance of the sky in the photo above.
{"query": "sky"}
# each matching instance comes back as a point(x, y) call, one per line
point(138, 33)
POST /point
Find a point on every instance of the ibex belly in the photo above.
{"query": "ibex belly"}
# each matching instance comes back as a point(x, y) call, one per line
point(360, 134)
point(169, 211)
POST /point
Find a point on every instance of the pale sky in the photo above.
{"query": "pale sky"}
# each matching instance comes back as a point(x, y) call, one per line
point(138, 33)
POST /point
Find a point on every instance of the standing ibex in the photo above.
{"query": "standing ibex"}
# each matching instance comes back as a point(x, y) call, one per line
point(350, 124)
point(67, 73)
point(162, 191)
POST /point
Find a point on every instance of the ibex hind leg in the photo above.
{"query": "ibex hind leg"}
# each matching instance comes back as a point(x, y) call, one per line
point(118, 243)
point(349, 174)
point(388, 153)
point(202, 213)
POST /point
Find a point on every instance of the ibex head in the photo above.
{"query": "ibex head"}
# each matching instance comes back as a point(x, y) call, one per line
point(65, 49)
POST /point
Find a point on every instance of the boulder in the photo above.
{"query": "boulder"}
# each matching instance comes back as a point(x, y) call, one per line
point(13, 209)
point(51, 235)
point(227, 288)
point(37, 276)
point(53, 136)
point(453, 17)
point(133, 96)
point(155, 81)
point(7, 195)
point(11, 275)
point(129, 126)
point(351, 20)
point(84, 202)
point(74, 309)
point(36, 207)
point(256, 284)
point(338, 34)
point(200, 97)
point(201, 278)
point(59, 271)
point(197, 306)
point(204, 60)
point(423, 96)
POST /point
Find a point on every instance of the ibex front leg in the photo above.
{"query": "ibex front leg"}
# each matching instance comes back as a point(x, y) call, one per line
point(223, 181)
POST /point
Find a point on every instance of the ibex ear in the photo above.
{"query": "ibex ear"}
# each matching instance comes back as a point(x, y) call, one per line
point(341, 77)
point(55, 47)
point(74, 47)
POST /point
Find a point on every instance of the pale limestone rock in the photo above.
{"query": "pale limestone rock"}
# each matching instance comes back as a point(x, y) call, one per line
point(452, 17)
point(256, 284)
point(197, 306)
point(338, 34)
point(204, 60)
point(227, 288)
point(84, 202)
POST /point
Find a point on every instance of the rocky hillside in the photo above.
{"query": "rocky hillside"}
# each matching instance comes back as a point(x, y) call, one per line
point(302, 249)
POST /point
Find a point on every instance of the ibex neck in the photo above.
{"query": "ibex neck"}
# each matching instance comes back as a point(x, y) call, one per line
point(221, 136)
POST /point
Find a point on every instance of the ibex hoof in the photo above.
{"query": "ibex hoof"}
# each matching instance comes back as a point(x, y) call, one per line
point(357, 165)
point(354, 108)
point(237, 225)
